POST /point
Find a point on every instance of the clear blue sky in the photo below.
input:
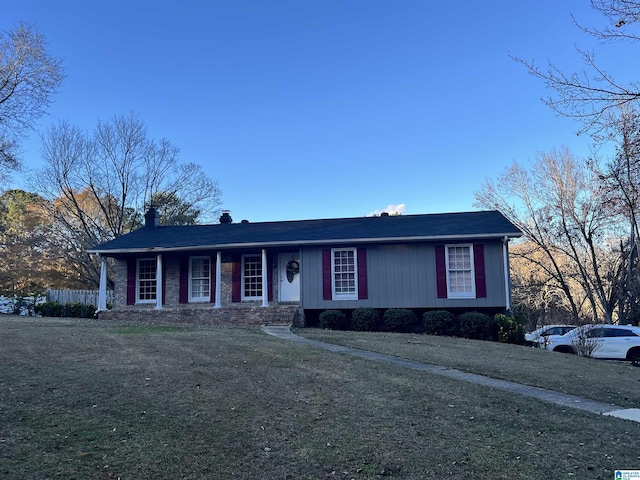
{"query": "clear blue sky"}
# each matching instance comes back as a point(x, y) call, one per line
point(321, 108)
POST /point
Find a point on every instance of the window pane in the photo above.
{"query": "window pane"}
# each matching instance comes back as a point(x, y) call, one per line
point(146, 279)
point(344, 272)
point(460, 273)
point(252, 283)
point(200, 278)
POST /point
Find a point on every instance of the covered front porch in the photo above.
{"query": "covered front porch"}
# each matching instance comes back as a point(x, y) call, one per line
point(203, 286)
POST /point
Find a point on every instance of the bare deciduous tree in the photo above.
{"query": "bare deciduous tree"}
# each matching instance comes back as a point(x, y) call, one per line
point(29, 77)
point(593, 94)
point(100, 184)
point(537, 295)
point(559, 207)
point(620, 178)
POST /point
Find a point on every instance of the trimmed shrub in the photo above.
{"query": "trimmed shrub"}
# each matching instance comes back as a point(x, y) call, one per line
point(84, 311)
point(365, 319)
point(72, 309)
point(49, 309)
point(476, 325)
point(333, 320)
point(399, 320)
point(508, 329)
point(440, 322)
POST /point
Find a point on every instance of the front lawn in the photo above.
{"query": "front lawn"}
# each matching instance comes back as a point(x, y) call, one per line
point(606, 381)
point(83, 399)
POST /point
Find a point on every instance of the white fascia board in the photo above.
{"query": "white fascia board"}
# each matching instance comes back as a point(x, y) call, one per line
point(230, 246)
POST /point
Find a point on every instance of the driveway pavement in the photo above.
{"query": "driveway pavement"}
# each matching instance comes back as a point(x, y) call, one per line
point(563, 399)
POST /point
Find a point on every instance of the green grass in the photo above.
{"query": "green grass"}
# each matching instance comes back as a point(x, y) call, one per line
point(81, 400)
point(605, 381)
point(147, 329)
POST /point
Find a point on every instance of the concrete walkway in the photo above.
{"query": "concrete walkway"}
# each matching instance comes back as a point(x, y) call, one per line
point(563, 399)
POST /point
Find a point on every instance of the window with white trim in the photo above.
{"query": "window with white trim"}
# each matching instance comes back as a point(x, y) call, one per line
point(199, 279)
point(460, 271)
point(344, 278)
point(146, 285)
point(251, 277)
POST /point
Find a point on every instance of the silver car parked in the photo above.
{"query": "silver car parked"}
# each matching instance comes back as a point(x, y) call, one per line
point(538, 337)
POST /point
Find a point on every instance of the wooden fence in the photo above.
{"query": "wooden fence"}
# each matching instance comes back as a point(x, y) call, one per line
point(85, 297)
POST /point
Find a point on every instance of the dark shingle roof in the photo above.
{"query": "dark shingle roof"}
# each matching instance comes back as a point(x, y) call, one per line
point(404, 228)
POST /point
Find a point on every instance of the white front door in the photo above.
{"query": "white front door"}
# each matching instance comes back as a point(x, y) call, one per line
point(289, 274)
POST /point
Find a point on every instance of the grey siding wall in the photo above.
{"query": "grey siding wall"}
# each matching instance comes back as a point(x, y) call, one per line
point(402, 276)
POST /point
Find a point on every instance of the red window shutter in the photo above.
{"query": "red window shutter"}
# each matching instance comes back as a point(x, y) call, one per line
point(236, 279)
point(441, 272)
point(183, 296)
point(131, 281)
point(212, 294)
point(270, 278)
point(363, 289)
point(478, 263)
point(164, 282)
point(326, 274)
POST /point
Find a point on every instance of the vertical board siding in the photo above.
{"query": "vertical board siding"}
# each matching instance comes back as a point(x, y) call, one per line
point(411, 285)
point(397, 273)
point(494, 277)
point(402, 276)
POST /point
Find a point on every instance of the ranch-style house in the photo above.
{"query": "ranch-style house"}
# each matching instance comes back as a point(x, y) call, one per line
point(286, 271)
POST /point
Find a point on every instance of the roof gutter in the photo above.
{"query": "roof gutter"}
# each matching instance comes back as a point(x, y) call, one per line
point(229, 246)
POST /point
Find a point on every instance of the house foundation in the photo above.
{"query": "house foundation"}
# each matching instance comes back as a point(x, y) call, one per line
point(232, 316)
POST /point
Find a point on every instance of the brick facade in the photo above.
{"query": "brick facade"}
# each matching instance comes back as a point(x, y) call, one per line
point(230, 313)
point(241, 315)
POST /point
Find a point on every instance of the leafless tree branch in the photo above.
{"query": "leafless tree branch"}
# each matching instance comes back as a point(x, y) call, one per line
point(29, 77)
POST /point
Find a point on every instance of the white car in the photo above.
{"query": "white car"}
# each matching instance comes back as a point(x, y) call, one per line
point(538, 338)
point(616, 342)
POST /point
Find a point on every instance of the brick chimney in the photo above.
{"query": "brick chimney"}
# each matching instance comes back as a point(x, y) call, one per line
point(226, 217)
point(151, 218)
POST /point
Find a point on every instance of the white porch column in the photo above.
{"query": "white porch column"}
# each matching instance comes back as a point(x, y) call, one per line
point(218, 279)
point(265, 293)
point(102, 291)
point(158, 282)
point(507, 290)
